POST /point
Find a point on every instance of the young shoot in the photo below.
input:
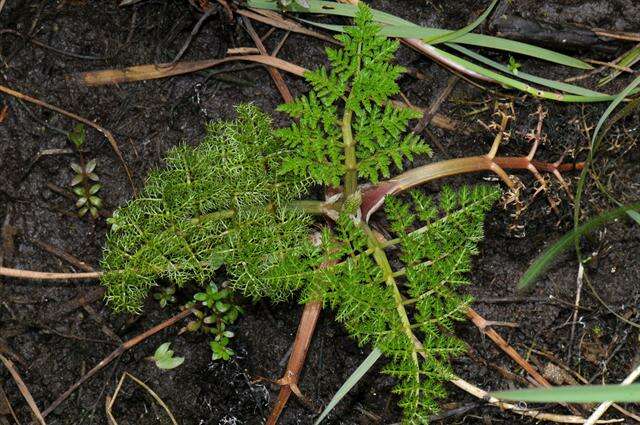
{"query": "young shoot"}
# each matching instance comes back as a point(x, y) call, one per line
point(84, 181)
point(164, 359)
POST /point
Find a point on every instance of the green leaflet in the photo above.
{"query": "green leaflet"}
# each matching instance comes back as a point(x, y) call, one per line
point(220, 203)
point(361, 79)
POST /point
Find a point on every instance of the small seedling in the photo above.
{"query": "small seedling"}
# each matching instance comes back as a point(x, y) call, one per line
point(164, 359)
point(166, 296)
point(514, 65)
point(219, 312)
point(84, 181)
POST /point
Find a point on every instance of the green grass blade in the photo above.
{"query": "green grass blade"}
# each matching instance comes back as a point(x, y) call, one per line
point(489, 42)
point(556, 85)
point(502, 79)
point(398, 27)
point(628, 60)
point(544, 261)
point(634, 215)
point(596, 138)
point(519, 85)
point(350, 383)
point(327, 8)
point(462, 31)
point(575, 394)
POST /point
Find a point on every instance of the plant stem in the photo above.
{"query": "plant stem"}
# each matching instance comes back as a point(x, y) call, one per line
point(421, 175)
point(216, 215)
point(387, 272)
point(350, 162)
point(310, 206)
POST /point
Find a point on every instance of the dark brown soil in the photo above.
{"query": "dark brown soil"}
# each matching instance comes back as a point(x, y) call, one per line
point(147, 118)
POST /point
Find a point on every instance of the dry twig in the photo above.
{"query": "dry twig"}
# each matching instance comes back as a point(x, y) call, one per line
point(23, 389)
point(275, 74)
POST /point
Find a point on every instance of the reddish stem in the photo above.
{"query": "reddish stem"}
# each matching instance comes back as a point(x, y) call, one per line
point(289, 382)
point(373, 197)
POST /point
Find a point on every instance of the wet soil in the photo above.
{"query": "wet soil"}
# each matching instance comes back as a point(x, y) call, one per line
point(53, 347)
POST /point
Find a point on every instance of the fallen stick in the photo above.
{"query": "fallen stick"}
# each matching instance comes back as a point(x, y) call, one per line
point(485, 328)
point(275, 74)
point(289, 382)
point(33, 275)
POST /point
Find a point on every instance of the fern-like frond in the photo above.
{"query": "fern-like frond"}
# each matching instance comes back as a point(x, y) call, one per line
point(361, 80)
point(409, 313)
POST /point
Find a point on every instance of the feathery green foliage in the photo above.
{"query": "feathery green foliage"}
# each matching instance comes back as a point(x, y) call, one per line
point(228, 203)
point(387, 308)
point(361, 80)
point(220, 203)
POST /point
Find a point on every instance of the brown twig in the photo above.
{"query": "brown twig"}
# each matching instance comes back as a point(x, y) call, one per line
point(23, 389)
point(439, 120)
point(47, 47)
point(33, 275)
point(63, 255)
point(289, 382)
point(429, 114)
point(486, 329)
point(275, 74)
point(207, 13)
point(620, 35)
point(106, 133)
point(276, 20)
point(115, 354)
point(5, 406)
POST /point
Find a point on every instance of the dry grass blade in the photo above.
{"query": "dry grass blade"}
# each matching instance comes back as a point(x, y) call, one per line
point(112, 400)
point(276, 20)
point(106, 133)
point(536, 414)
point(23, 389)
point(5, 406)
point(153, 72)
point(595, 416)
point(33, 275)
point(275, 74)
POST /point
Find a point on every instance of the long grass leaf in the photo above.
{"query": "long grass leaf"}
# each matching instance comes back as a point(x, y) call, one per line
point(634, 215)
point(628, 60)
point(462, 31)
point(394, 26)
point(596, 139)
point(575, 394)
point(500, 78)
point(350, 383)
point(553, 84)
point(544, 261)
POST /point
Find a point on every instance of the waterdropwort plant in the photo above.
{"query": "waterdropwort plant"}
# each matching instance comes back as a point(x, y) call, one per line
point(231, 207)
